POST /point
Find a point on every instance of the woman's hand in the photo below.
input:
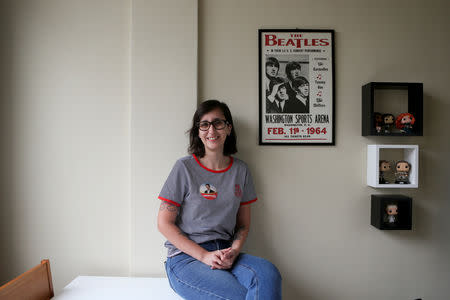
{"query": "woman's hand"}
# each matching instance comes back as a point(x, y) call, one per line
point(227, 257)
point(220, 259)
point(213, 259)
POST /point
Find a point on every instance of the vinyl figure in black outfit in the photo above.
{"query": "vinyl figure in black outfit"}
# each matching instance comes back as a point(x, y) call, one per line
point(388, 122)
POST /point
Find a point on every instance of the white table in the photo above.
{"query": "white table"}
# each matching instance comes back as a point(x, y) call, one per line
point(112, 288)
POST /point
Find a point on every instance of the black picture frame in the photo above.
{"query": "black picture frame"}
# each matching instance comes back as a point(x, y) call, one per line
point(312, 120)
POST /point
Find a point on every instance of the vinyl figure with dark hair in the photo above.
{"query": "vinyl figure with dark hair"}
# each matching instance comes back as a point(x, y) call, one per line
point(378, 121)
point(385, 167)
point(402, 168)
point(388, 122)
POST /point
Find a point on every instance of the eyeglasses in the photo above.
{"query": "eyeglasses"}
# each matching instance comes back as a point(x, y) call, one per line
point(218, 124)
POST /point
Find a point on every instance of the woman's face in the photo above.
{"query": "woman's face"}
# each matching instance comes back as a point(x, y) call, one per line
point(214, 139)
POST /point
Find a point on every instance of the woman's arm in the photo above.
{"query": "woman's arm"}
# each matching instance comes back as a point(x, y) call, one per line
point(242, 227)
point(166, 225)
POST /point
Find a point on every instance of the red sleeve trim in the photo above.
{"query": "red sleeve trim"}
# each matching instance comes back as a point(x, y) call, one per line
point(248, 202)
point(170, 201)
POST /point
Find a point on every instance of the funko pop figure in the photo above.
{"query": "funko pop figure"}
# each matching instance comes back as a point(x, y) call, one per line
point(402, 168)
point(388, 122)
point(378, 118)
point(404, 122)
point(385, 167)
point(390, 216)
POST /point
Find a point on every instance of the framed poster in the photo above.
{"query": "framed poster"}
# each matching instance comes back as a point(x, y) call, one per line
point(296, 87)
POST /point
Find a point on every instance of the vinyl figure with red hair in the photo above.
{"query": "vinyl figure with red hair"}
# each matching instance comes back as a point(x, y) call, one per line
point(404, 122)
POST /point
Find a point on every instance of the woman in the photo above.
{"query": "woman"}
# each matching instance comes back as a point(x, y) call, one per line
point(206, 232)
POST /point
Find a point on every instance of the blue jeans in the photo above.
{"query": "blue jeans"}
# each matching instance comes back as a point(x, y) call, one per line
point(250, 277)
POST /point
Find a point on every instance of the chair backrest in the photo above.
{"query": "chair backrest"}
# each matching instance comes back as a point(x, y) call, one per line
point(34, 284)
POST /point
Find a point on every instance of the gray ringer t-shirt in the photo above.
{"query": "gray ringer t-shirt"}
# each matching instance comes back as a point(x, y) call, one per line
point(209, 200)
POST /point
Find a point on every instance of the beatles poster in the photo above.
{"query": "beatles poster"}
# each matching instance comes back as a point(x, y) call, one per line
point(296, 87)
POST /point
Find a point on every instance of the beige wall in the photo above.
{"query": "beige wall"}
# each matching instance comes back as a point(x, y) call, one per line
point(164, 93)
point(89, 87)
point(69, 138)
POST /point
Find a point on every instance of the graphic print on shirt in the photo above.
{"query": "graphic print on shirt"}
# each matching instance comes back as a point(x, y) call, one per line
point(208, 191)
point(237, 191)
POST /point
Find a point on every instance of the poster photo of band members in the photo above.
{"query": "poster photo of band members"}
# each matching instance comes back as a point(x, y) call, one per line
point(296, 102)
point(287, 81)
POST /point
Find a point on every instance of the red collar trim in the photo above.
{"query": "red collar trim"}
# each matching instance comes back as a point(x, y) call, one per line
point(214, 171)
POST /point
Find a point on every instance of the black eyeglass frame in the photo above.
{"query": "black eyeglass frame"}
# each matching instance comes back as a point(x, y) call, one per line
point(212, 123)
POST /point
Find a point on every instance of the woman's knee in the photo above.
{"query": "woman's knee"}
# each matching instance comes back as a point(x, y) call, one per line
point(271, 272)
point(264, 269)
point(195, 280)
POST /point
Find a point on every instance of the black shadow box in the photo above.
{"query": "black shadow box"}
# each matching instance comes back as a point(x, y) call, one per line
point(379, 217)
point(415, 107)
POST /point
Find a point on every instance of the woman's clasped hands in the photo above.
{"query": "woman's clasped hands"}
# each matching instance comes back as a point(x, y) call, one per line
point(220, 259)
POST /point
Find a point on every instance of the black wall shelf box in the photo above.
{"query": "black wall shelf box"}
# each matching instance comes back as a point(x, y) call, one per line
point(415, 106)
point(378, 215)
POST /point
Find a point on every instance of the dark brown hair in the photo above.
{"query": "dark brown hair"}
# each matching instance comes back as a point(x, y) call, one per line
point(195, 143)
point(298, 82)
point(290, 66)
point(272, 61)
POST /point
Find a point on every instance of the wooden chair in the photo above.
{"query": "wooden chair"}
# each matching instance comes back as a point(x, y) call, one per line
point(34, 284)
